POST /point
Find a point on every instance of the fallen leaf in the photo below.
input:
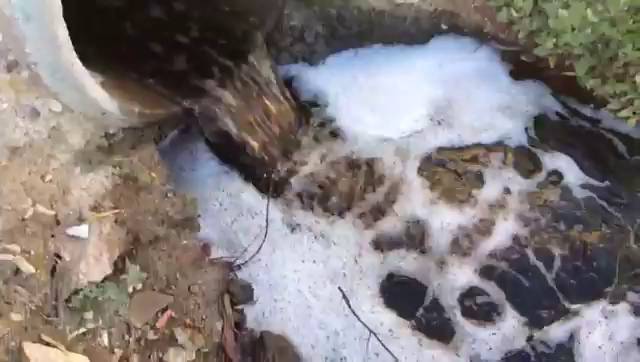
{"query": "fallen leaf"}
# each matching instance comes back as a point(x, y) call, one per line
point(164, 319)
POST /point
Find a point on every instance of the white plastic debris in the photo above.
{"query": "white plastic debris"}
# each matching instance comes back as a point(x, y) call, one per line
point(79, 231)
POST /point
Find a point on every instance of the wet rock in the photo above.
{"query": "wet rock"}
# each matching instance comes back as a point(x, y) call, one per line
point(526, 162)
point(466, 239)
point(241, 291)
point(554, 177)
point(272, 347)
point(343, 186)
point(594, 150)
point(546, 256)
point(144, 306)
point(519, 355)
point(538, 351)
point(434, 322)
point(519, 282)
point(624, 203)
point(454, 186)
point(34, 352)
point(585, 273)
point(476, 304)
point(403, 294)
point(414, 236)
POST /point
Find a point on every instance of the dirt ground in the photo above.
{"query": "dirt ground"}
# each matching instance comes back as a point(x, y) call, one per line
point(90, 229)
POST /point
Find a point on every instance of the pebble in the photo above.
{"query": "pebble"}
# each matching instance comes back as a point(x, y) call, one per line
point(241, 291)
point(55, 106)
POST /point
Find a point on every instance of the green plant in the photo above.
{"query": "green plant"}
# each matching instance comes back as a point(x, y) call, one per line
point(599, 38)
point(114, 295)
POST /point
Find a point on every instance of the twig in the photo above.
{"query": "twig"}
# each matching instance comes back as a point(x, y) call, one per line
point(239, 266)
point(371, 331)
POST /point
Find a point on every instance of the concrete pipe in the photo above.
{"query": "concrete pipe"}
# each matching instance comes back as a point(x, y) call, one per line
point(128, 62)
point(37, 32)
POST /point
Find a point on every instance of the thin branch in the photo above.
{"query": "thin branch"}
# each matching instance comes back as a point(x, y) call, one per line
point(239, 266)
point(371, 331)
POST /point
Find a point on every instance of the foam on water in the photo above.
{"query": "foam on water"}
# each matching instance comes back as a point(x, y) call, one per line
point(397, 102)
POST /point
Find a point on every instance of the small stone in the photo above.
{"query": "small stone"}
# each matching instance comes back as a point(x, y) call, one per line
point(88, 315)
point(16, 317)
point(78, 231)
point(476, 304)
point(35, 352)
point(175, 354)
point(554, 177)
point(434, 322)
point(403, 294)
point(144, 306)
point(274, 347)
point(526, 162)
point(241, 291)
point(54, 106)
point(11, 65)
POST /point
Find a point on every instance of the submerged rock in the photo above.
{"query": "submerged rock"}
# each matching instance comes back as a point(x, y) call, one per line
point(526, 162)
point(521, 279)
point(477, 304)
point(414, 236)
point(406, 296)
point(403, 294)
point(241, 291)
point(434, 322)
point(273, 347)
point(537, 351)
point(348, 185)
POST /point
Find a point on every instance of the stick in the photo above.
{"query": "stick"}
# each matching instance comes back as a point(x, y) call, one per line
point(239, 266)
point(371, 331)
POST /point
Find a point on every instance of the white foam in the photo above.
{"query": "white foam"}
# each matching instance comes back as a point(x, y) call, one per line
point(602, 332)
point(454, 90)
point(397, 103)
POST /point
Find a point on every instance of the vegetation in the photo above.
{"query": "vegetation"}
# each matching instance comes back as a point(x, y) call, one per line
point(599, 38)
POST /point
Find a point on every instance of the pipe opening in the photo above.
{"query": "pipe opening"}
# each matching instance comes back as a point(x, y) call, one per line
point(159, 53)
